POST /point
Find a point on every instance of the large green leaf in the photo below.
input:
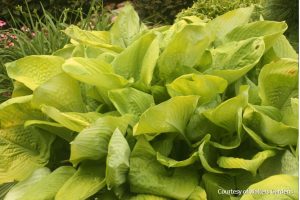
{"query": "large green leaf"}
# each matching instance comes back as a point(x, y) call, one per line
point(16, 111)
point(281, 187)
point(290, 113)
point(130, 101)
point(22, 151)
point(249, 165)
point(85, 182)
point(184, 52)
point(95, 72)
point(22, 187)
point(126, 28)
point(278, 82)
point(206, 86)
point(268, 127)
point(138, 61)
point(225, 23)
point(93, 38)
point(169, 116)
point(92, 142)
point(117, 162)
point(208, 156)
point(33, 71)
point(49, 185)
point(61, 92)
point(148, 176)
point(281, 49)
point(71, 120)
point(269, 30)
point(231, 107)
point(283, 163)
point(234, 59)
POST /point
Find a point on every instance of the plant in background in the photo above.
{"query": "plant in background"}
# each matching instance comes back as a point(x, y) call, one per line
point(175, 112)
point(209, 9)
point(284, 10)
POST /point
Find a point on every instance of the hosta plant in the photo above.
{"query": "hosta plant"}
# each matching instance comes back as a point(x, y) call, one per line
point(188, 111)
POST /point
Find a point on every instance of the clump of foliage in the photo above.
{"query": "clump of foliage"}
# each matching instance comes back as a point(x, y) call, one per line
point(160, 11)
point(175, 112)
point(209, 9)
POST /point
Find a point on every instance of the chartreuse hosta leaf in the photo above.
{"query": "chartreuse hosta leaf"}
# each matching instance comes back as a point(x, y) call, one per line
point(93, 38)
point(16, 111)
point(148, 176)
point(231, 107)
point(22, 187)
point(31, 150)
point(223, 24)
point(52, 127)
point(126, 28)
point(95, 72)
point(249, 165)
point(281, 187)
point(280, 49)
point(22, 149)
point(265, 124)
point(48, 186)
point(278, 82)
point(269, 30)
point(130, 100)
point(92, 142)
point(169, 116)
point(206, 86)
point(233, 60)
point(208, 156)
point(290, 113)
point(138, 61)
point(61, 92)
point(32, 71)
point(283, 163)
point(86, 181)
point(71, 120)
point(117, 162)
point(20, 90)
point(184, 52)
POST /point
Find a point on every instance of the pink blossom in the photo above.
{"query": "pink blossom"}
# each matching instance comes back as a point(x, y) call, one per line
point(33, 34)
point(13, 36)
point(2, 23)
point(10, 44)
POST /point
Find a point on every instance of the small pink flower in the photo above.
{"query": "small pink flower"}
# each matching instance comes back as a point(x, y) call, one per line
point(2, 23)
point(33, 34)
point(10, 44)
point(13, 36)
point(3, 36)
